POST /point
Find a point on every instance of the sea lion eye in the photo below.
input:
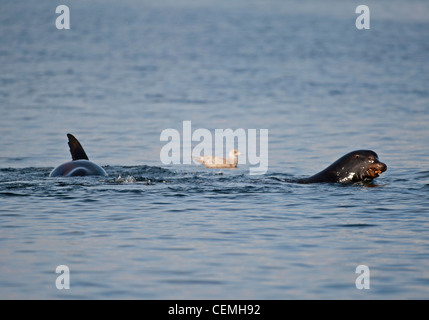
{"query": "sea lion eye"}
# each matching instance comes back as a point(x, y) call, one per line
point(356, 156)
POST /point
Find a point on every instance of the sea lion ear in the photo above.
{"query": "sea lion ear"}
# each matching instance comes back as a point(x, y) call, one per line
point(355, 156)
point(76, 148)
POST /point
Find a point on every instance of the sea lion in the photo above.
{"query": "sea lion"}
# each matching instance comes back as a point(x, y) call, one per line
point(216, 162)
point(80, 166)
point(359, 165)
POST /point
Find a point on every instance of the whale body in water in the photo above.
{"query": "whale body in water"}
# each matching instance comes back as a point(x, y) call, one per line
point(80, 165)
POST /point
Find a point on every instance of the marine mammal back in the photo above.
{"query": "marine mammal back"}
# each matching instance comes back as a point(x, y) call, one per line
point(80, 165)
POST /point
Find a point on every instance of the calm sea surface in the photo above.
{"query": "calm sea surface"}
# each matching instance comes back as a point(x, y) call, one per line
point(127, 70)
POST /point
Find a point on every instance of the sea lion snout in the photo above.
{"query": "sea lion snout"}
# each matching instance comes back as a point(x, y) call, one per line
point(376, 168)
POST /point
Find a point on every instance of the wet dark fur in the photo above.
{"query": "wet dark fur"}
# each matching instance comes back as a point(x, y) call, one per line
point(359, 165)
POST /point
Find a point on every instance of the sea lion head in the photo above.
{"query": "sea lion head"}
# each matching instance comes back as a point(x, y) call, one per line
point(359, 165)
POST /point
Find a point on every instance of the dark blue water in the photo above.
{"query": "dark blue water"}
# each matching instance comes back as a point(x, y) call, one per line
point(126, 71)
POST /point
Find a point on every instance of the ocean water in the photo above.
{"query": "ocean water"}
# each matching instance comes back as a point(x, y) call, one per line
point(125, 71)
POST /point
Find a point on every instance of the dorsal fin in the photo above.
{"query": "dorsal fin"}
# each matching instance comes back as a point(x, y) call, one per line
point(76, 149)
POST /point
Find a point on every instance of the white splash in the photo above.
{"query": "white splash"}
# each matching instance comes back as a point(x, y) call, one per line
point(129, 179)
